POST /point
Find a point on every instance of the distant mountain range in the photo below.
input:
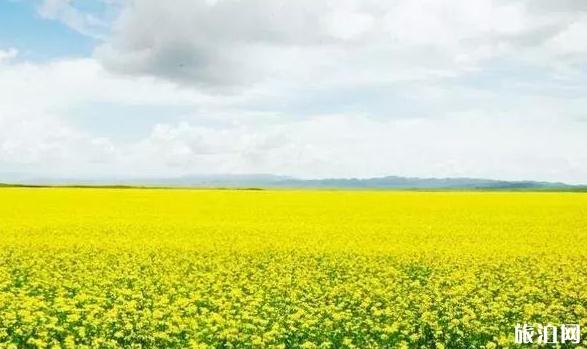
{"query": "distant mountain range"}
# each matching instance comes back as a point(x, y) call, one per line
point(272, 181)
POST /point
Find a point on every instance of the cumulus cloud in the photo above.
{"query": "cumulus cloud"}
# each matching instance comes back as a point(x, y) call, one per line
point(227, 43)
point(350, 145)
point(532, 137)
point(484, 88)
point(47, 142)
point(38, 119)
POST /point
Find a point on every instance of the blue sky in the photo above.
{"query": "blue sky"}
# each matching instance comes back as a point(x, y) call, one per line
point(483, 88)
point(38, 38)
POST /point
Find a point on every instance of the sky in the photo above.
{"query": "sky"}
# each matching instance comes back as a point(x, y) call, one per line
point(313, 89)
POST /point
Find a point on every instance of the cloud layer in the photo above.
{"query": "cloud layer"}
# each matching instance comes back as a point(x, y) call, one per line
point(484, 88)
point(225, 43)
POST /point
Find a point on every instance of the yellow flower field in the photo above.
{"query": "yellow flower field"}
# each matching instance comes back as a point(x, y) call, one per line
point(138, 268)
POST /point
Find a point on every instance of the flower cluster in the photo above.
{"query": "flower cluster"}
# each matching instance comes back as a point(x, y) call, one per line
point(98, 268)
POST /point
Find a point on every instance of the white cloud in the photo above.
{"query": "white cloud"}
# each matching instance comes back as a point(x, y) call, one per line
point(483, 88)
point(64, 11)
point(346, 145)
point(47, 142)
point(8, 55)
point(571, 41)
point(37, 119)
point(535, 137)
point(347, 25)
point(242, 43)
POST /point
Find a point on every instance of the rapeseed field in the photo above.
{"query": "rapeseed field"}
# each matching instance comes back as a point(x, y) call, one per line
point(138, 268)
